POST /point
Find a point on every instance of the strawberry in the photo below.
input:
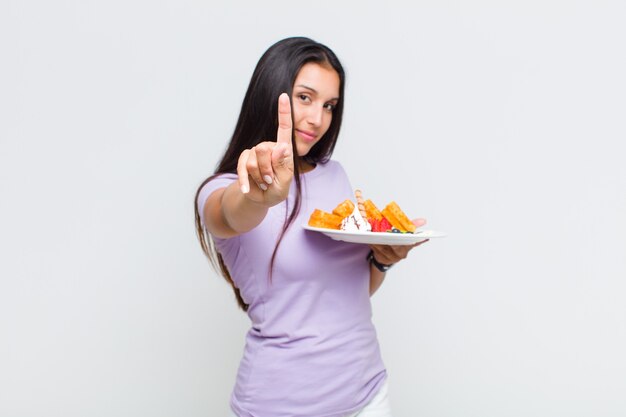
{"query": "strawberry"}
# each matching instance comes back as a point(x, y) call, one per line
point(384, 225)
point(381, 225)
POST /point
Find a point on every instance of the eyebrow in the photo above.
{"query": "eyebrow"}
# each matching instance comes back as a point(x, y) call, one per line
point(314, 90)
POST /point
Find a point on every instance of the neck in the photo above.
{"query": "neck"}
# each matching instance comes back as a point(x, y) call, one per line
point(306, 167)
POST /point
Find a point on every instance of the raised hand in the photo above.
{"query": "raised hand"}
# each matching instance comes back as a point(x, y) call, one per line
point(265, 171)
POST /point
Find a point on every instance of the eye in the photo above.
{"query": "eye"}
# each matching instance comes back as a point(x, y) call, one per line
point(330, 107)
point(304, 97)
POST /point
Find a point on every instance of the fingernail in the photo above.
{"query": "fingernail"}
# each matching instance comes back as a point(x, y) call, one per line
point(267, 179)
point(245, 189)
point(263, 187)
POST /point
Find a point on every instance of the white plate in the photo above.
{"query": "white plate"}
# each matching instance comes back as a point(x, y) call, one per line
point(377, 238)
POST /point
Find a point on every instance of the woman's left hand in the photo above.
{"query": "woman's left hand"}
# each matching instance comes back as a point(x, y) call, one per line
point(390, 254)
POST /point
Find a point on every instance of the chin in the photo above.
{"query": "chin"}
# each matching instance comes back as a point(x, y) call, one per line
point(302, 150)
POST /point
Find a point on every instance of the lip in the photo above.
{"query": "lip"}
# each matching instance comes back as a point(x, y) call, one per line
point(306, 136)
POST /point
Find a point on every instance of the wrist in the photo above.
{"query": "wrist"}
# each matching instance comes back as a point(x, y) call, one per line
point(378, 265)
point(239, 212)
point(249, 201)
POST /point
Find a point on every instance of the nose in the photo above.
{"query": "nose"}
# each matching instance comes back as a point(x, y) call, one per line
point(314, 117)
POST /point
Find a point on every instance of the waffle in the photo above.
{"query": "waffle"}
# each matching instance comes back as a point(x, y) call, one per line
point(371, 211)
point(397, 218)
point(344, 209)
point(321, 218)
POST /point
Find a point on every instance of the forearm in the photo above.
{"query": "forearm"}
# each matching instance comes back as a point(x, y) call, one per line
point(376, 279)
point(240, 213)
point(228, 212)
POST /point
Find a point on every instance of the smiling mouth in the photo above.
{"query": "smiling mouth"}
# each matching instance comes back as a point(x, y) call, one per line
point(307, 136)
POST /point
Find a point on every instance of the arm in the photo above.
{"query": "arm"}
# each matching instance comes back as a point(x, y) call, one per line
point(376, 279)
point(228, 213)
point(389, 255)
point(268, 166)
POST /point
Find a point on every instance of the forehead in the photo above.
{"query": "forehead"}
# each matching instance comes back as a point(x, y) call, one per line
point(322, 78)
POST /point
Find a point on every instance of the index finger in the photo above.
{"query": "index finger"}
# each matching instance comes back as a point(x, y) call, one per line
point(284, 120)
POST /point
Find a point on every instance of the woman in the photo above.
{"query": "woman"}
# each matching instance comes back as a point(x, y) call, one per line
point(312, 348)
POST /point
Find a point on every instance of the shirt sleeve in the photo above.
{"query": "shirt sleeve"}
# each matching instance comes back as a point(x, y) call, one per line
point(221, 181)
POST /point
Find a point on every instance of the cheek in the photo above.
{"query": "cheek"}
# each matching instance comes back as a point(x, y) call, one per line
point(296, 111)
point(327, 120)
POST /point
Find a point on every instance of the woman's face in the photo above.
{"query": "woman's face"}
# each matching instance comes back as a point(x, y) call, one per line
point(315, 95)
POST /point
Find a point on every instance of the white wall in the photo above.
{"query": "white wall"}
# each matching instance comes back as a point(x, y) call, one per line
point(500, 122)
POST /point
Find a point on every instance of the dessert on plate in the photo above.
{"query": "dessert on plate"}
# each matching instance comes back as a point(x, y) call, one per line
point(363, 216)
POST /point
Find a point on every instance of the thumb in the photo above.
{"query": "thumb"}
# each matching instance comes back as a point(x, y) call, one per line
point(419, 222)
point(282, 161)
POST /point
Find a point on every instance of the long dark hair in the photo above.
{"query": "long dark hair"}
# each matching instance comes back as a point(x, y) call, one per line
point(274, 74)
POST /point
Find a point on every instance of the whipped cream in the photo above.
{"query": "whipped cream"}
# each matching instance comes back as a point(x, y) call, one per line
point(355, 222)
